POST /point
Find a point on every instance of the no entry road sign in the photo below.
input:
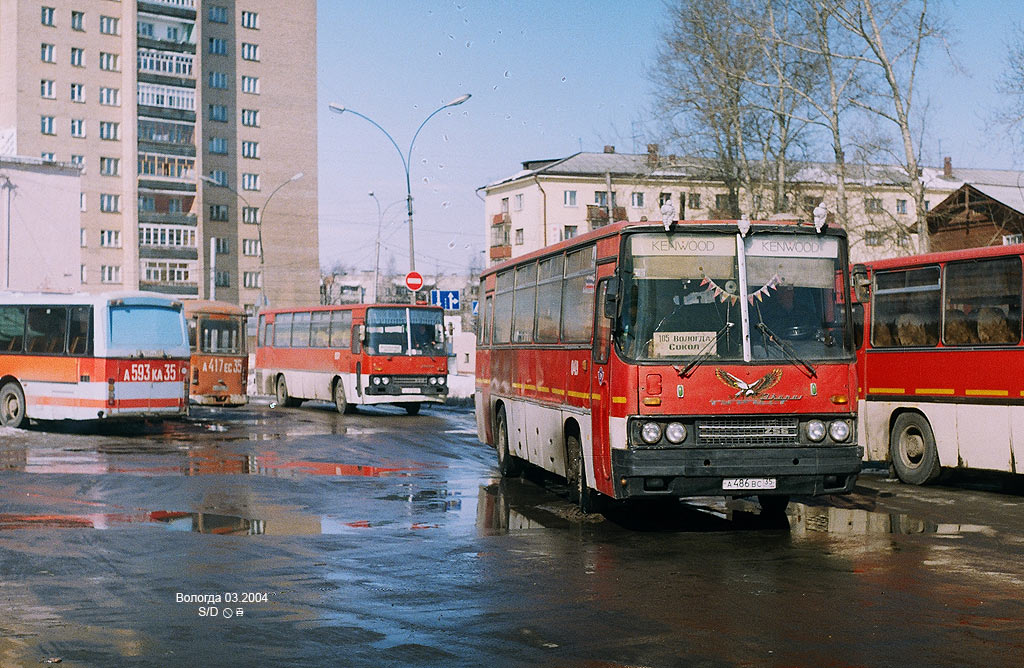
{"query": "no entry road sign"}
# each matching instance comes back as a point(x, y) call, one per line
point(414, 280)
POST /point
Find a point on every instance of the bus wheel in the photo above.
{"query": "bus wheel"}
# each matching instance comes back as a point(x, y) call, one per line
point(12, 405)
point(282, 395)
point(509, 465)
point(576, 475)
point(912, 450)
point(340, 402)
point(413, 408)
point(772, 505)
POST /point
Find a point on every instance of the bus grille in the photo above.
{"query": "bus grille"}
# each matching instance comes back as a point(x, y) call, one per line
point(749, 431)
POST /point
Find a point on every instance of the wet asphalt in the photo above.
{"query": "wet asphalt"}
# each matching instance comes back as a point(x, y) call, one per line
point(296, 537)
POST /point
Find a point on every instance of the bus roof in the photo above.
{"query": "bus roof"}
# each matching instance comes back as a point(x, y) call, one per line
point(346, 307)
point(193, 306)
point(73, 298)
point(945, 256)
point(656, 226)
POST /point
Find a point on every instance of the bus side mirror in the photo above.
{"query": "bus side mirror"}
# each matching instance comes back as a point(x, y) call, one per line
point(861, 284)
point(439, 332)
point(361, 333)
point(611, 298)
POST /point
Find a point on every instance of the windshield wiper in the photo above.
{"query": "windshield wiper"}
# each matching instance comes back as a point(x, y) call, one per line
point(703, 353)
point(786, 349)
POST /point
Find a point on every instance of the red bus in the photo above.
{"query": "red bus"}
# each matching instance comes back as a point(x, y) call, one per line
point(638, 362)
point(358, 354)
point(91, 357)
point(220, 364)
point(941, 362)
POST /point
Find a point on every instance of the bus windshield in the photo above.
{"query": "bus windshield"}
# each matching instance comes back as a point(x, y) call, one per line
point(404, 331)
point(146, 328)
point(220, 335)
point(681, 297)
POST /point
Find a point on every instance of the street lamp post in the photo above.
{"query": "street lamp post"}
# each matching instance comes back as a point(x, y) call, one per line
point(259, 223)
point(376, 261)
point(406, 159)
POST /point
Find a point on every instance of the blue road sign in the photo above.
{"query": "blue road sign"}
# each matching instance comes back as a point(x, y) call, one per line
point(476, 307)
point(446, 299)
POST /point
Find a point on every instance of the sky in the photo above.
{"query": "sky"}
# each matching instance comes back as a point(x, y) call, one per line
point(547, 79)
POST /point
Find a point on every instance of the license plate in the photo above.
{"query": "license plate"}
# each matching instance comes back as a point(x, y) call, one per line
point(410, 390)
point(748, 483)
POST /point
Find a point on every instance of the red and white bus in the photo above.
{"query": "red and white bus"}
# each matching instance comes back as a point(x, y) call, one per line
point(357, 354)
point(91, 357)
point(711, 359)
point(220, 364)
point(941, 364)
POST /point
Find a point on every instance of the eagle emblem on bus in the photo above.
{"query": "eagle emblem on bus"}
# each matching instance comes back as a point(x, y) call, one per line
point(750, 390)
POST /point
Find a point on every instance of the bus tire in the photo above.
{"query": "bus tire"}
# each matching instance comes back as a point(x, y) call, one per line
point(412, 408)
point(509, 465)
point(283, 399)
point(340, 402)
point(912, 450)
point(12, 405)
point(576, 476)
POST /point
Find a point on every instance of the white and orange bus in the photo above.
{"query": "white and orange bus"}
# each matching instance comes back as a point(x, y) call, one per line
point(357, 354)
point(91, 357)
point(941, 364)
point(220, 364)
point(715, 358)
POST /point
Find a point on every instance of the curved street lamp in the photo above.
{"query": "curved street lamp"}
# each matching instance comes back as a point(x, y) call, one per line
point(259, 223)
point(406, 158)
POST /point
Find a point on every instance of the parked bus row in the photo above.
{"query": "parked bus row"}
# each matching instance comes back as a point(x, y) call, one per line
point(140, 355)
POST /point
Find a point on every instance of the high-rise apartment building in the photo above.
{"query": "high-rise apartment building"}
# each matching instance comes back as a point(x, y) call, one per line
point(187, 117)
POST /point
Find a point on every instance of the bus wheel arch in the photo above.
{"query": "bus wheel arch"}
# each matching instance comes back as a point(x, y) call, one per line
point(912, 449)
point(12, 403)
point(509, 465)
point(576, 469)
point(338, 394)
point(281, 390)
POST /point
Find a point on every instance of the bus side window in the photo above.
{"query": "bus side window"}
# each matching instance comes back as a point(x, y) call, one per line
point(47, 329)
point(80, 331)
point(858, 325)
point(357, 344)
point(12, 328)
point(261, 332)
point(602, 326)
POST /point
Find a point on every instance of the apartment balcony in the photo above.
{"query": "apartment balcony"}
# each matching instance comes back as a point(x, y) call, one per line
point(165, 68)
point(167, 253)
point(597, 216)
point(159, 218)
point(179, 289)
point(182, 9)
point(177, 98)
point(501, 252)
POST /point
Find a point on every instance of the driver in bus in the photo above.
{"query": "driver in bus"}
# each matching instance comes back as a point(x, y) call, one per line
point(788, 316)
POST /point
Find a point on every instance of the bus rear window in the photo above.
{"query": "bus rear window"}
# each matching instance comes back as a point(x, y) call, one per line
point(146, 327)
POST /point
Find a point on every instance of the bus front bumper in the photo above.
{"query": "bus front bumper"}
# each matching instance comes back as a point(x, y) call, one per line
point(682, 472)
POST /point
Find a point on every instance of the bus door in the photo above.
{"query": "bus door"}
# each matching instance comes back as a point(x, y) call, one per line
point(600, 383)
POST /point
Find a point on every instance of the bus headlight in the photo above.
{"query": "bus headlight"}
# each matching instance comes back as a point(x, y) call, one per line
point(385, 380)
point(433, 380)
point(839, 430)
point(375, 380)
point(816, 430)
point(675, 432)
point(651, 432)
point(441, 380)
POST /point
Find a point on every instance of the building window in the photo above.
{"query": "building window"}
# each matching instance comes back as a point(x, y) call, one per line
point(250, 214)
point(251, 247)
point(218, 14)
point(874, 238)
point(46, 125)
point(220, 177)
point(601, 198)
point(519, 236)
point(47, 155)
point(223, 245)
point(82, 237)
point(693, 200)
point(110, 166)
point(145, 29)
point(218, 145)
point(901, 206)
point(250, 51)
point(147, 203)
point(77, 57)
point(110, 238)
point(219, 112)
point(110, 25)
point(250, 149)
point(873, 205)
point(46, 89)
point(161, 271)
point(78, 21)
point(110, 96)
point(223, 279)
point(47, 53)
point(83, 275)
point(218, 46)
point(77, 92)
point(569, 231)
point(110, 62)
point(174, 205)
point(110, 130)
point(517, 202)
point(251, 118)
point(218, 80)
point(219, 212)
point(568, 198)
point(110, 203)
point(77, 127)
point(78, 161)
point(47, 16)
point(251, 20)
point(81, 202)
point(172, 34)
point(637, 200)
point(110, 274)
point(252, 279)
point(250, 181)
point(251, 85)
point(927, 205)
